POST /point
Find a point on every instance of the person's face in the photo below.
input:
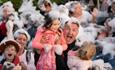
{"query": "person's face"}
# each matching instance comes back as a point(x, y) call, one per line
point(6, 12)
point(78, 9)
point(22, 40)
point(70, 32)
point(55, 25)
point(102, 35)
point(45, 7)
point(48, 8)
point(113, 8)
point(10, 53)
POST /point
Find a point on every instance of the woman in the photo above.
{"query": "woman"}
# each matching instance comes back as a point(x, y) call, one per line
point(6, 25)
point(26, 56)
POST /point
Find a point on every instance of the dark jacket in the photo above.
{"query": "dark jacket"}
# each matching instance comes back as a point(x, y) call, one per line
point(61, 60)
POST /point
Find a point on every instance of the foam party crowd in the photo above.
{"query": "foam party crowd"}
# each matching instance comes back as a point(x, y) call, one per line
point(76, 35)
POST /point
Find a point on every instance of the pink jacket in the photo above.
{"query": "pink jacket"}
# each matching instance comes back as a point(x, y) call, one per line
point(37, 44)
point(47, 60)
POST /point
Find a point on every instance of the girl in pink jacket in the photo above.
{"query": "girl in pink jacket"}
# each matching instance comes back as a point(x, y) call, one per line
point(49, 40)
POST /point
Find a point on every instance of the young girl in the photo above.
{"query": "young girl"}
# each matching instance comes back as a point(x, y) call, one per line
point(81, 59)
point(10, 59)
point(49, 40)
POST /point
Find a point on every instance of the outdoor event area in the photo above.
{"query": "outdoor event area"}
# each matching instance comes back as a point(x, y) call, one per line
point(57, 34)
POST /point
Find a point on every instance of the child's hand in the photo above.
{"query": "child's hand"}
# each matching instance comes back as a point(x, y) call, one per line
point(46, 39)
point(23, 66)
point(57, 41)
point(58, 49)
point(47, 47)
point(95, 12)
point(18, 67)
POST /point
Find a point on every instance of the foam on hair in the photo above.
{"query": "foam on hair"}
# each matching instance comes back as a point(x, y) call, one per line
point(87, 51)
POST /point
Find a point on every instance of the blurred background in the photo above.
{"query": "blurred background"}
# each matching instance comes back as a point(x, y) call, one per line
point(17, 3)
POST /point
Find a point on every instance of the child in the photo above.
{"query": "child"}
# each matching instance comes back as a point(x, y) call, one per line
point(81, 59)
point(49, 40)
point(9, 49)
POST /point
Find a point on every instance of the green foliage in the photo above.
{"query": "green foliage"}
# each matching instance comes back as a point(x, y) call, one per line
point(17, 3)
point(1, 2)
point(60, 1)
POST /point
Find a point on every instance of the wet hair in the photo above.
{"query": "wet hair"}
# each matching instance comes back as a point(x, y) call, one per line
point(87, 50)
point(77, 23)
point(72, 9)
point(48, 21)
point(47, 4)
point(21, 33)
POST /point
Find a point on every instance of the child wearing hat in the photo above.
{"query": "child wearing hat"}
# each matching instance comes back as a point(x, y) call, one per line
point(81, 59)
point(9, 49)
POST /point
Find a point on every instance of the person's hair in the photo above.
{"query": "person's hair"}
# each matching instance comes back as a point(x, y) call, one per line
point(113, 3)
point(19, 34)
point(77, 23)
point(72, 9)
point(21, 31)
point(47, 4)
point(87, 50)
point(48, 22)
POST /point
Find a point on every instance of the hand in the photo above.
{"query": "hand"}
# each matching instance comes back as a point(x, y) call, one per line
point(95, 12)
point(58, 49)
point(18, 67)
point(24, 67)
point(45, 39)
point(47, 47)
point(58, 39)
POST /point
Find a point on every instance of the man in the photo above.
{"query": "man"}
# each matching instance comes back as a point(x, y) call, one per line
point(71, 30)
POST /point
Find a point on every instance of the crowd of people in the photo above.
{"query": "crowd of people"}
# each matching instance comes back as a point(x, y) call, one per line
point(70, 36)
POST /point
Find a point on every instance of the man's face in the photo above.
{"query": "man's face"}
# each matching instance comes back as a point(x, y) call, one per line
point(70, 32)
